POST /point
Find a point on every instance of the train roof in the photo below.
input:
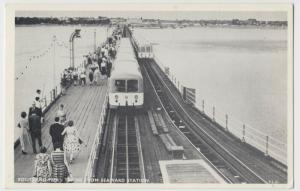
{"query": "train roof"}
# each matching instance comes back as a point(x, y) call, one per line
point(126, 68)
point(125, 64)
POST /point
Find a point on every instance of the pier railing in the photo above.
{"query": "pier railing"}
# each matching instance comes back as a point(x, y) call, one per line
point(92, 161)
point(267, 144)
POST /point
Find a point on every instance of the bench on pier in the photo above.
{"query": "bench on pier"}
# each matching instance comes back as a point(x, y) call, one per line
point(152, 123)
point(159, 121)
point(177, 151)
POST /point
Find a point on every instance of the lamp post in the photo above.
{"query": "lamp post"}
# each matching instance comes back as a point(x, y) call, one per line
point(75, 34)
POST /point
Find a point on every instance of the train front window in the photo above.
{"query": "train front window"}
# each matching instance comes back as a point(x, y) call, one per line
point(143, 49)
point(132, 85)
point(120, 85)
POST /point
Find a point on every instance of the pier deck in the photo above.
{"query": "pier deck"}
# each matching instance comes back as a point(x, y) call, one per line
point(83, 105)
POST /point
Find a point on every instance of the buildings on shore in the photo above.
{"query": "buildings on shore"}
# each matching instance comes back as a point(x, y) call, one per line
point(157, 23)
point(147, 23)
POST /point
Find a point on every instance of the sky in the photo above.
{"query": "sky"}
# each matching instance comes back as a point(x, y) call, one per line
point(171, 15)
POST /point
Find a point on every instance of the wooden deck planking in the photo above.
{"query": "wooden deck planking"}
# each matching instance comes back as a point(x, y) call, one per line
point(83, 105)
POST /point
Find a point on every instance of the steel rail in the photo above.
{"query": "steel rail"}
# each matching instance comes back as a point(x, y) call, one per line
point(255, 177)
point(204, 157)
point(113, 149)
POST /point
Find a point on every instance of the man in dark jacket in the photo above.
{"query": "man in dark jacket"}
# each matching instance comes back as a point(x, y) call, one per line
point(35, 129)
point(55, 131)
point(34, 109)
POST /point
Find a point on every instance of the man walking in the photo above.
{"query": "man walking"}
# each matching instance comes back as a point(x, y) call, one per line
point(35, 129)
point(35, 109)
point(55, 131)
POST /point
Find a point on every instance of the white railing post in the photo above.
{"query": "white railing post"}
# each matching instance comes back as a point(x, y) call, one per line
point(214, 119)
point(45, 100)
point(203, 106)
point(267, 146)
point(244, 132)
point(226, 119)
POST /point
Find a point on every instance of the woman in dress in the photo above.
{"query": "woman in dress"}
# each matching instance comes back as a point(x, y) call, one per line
point(97, 76)
point(71, 140)
point(61, 113)
point(42, 166)
point(24, 132)
point(60, 167)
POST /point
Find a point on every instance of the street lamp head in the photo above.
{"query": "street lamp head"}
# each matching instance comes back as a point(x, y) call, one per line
point(77, 33)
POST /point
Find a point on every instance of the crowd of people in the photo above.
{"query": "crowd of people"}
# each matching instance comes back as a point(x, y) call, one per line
point(66, 142)
point(96, 67)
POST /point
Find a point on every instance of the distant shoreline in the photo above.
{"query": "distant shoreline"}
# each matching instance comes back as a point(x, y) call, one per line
point(149, 27)
point(38, 25)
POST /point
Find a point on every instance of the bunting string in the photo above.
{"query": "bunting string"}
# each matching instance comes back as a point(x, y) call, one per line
point(46, 51)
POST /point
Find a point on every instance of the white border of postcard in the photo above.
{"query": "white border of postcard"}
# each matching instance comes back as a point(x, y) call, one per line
point(9, 81)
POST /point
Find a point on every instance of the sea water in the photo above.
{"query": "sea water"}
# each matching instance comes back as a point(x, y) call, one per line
point(242, 72)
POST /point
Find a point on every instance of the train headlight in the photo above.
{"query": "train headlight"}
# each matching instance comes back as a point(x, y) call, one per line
point(136, 97)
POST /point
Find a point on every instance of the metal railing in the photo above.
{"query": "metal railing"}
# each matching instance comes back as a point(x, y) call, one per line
point(90, 169)
point(267, 144)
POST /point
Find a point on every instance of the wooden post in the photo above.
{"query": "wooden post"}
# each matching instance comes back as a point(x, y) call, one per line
point(214, 113)
point(56, 91)
point(267, 146)
point(244, 132)
point(203, 106)
point(226, 118)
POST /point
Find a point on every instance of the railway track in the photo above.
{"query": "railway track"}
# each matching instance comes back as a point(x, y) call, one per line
point(235, 170)
point(123, 155)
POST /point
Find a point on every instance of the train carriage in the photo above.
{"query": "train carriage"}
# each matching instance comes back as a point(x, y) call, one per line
point(126, 81)
point(143, 46)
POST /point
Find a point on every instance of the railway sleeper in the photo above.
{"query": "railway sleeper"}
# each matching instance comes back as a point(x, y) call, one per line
point(133, 161)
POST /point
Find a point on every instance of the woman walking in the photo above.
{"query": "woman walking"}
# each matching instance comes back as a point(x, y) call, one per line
point(61, 113)
point(91, 76)
point(24, 132)
point(97, 76)
point(60, 167)
point(72, 140)
point(42, 167)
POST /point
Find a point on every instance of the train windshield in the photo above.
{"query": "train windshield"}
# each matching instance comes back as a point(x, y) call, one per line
point(120, 85)
point(132, 85)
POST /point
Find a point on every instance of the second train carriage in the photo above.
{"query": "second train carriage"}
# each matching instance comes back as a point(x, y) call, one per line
point(126, 81)
point(144, 47)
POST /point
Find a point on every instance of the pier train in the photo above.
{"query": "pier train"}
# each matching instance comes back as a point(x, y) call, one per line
point(144, 47)
point(126, 82)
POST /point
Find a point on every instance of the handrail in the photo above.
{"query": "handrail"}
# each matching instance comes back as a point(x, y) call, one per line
point(89, 171)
